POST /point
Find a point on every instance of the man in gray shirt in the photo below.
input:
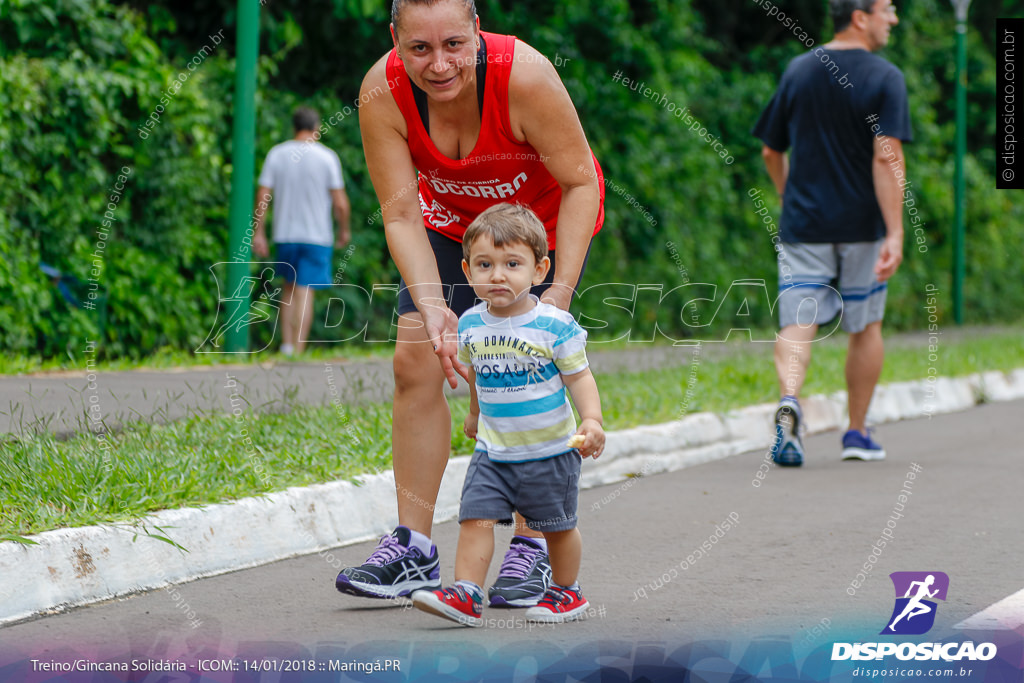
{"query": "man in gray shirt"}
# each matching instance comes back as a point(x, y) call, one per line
point(306, 178)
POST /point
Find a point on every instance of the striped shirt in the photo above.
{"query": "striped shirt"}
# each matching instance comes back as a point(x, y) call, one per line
point(519, 362)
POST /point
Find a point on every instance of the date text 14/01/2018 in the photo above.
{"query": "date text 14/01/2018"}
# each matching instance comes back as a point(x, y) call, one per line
point(286, 665)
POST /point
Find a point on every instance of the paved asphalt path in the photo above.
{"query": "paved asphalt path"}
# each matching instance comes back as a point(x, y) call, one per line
point(58, 402)
point(68, 402)
point(784, 569)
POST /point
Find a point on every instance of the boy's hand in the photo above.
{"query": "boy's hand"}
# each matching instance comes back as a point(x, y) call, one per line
point(593, 438)
point(469, 425)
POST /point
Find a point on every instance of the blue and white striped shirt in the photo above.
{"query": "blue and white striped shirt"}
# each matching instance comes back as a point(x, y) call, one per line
point(525, 412)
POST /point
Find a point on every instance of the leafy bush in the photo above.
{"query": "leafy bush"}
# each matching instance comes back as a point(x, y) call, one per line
point(78, 78)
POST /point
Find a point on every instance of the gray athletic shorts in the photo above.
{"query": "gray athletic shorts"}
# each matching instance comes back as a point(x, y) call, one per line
point(545, 492)
point(817, 282)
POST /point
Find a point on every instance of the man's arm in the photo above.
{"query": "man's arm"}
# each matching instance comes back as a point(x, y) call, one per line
point(543, 113)
point(778, 168)
point(260, 247)
point(343, 215)
point(890, 201)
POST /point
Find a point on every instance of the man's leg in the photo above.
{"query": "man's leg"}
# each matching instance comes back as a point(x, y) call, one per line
point(302, 312)
point(792, 357)
point(863, 312)
point(287, 327)
point(863, 367)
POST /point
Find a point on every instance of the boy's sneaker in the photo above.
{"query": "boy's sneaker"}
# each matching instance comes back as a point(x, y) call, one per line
point(455, 603)
point(524, 576)
point(393, 570)
point(558, 605)
point(857, 446)
point(788, 449)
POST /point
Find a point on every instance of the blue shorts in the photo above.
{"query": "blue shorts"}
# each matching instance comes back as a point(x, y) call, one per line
point(545, 492)
point(310, 263)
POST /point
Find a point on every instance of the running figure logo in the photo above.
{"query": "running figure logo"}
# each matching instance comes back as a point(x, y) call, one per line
point(256, 303)
point(914, 612)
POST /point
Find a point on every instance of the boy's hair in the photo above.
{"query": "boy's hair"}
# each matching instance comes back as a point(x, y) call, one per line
point(508, 223)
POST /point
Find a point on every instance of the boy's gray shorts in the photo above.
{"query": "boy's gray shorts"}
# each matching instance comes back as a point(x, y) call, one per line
point(545, 492)
point(819, 281)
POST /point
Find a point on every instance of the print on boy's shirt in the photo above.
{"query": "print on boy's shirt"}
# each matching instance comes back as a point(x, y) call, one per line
point(496, 343)
point(515, 368)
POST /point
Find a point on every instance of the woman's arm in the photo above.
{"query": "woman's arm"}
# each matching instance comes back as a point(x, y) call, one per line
point(394, 180)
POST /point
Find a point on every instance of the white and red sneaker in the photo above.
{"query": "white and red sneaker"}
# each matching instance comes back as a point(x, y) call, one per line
point(558, 605)
point(455, 603)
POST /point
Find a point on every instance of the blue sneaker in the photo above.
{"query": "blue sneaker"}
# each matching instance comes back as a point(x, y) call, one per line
point(788, 449)
point(857, 446)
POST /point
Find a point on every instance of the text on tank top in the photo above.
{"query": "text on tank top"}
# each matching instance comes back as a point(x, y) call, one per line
point(499, 168)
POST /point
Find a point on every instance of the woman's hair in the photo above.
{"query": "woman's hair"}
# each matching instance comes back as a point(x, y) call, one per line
point(398, 5)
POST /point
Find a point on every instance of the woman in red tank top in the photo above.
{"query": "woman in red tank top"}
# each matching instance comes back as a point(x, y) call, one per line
point(500, 167)
point(445, 139)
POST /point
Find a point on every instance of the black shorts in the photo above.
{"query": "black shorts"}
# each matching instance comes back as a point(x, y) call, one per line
point(457, 292)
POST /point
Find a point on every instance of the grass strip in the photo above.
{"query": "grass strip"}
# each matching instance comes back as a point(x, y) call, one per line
point(47, 483)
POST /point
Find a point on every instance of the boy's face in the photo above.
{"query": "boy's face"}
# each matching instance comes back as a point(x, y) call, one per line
point(502, 276)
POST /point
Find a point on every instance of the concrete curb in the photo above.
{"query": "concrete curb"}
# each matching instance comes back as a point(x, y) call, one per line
point(72, 567)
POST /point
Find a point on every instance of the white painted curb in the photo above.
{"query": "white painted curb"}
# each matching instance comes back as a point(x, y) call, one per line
point(71, 567)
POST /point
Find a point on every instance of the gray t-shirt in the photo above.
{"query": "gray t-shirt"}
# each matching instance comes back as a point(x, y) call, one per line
point(302, 174)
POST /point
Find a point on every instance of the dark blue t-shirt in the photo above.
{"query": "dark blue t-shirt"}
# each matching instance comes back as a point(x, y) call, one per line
point(822, 110)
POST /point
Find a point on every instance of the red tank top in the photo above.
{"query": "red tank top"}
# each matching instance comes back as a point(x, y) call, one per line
point(499, 169)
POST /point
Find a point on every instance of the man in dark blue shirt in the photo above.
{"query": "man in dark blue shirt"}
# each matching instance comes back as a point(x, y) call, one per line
point(843, 114)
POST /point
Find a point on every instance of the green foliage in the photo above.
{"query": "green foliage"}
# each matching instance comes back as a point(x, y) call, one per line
point(134, 216)
point(79, 79)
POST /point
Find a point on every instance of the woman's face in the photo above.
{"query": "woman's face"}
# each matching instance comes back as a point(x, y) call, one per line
point(438, 45)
